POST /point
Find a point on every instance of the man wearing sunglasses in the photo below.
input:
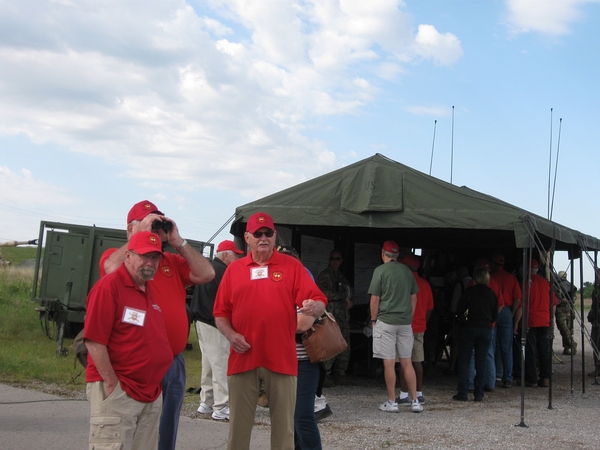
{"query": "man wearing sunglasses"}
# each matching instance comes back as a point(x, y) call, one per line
point(256, 310)
point(337, 288)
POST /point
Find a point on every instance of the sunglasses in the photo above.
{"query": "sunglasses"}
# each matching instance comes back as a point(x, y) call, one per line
point(336, 258)
point(259, 234)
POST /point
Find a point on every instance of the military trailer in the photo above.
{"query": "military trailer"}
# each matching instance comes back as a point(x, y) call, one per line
point(68, 270)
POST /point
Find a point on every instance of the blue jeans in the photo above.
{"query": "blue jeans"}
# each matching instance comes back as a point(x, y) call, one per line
point(478, 339)
point(489, 380)
point(504, 345)
point(537, 347)
point(173, 391)
point(306, 431)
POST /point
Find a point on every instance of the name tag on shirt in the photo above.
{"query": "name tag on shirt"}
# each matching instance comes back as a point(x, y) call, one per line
point(259, 273)
point(134, 316)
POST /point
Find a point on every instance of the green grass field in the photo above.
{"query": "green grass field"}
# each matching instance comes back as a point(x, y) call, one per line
point(28, 357)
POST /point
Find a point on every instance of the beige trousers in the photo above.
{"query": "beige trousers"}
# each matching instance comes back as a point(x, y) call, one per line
point(243, 393)
point(120, 422)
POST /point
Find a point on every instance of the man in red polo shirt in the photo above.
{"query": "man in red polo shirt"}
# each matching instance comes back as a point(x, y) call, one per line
point(256, 310)
point(123, 377)
point(175, 272)
point(538, 347)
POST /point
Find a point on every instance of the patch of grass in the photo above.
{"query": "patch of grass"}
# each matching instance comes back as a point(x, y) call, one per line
point(17, 255)
point(26, 353)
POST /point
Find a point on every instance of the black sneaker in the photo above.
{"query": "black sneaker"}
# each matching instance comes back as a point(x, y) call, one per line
point(323, 413)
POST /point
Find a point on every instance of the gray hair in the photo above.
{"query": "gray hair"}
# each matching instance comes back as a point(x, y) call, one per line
point(481, 276)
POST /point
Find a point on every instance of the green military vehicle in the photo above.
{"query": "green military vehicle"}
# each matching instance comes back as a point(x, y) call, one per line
point(69, 269)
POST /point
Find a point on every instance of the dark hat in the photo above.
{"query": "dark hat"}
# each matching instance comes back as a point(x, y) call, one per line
point(288, 250)
point(482, 262)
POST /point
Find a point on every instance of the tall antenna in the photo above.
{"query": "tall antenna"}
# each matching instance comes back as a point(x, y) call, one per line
point(452, 148)
point(550, 164)
point(432, 146)
point(556, 167)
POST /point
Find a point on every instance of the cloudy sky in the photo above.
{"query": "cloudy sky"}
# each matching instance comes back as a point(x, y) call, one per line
point(202, 106)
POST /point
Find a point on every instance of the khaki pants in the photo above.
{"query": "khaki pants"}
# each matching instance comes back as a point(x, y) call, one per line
point(243, 393)
point(120, 422)
point(215, 355)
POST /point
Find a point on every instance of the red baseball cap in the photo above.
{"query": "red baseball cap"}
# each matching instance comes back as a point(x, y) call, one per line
point(144, 242)
point(228, 245)
point(534, 264)
point(411, 261)
point(141, 210)
point(391, 247)
point(259, 220)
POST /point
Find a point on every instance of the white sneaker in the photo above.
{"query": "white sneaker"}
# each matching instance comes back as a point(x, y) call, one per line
point(221, 414)
point(205, 409)
point(320, 403)
point(416, 406)
point(389, 407)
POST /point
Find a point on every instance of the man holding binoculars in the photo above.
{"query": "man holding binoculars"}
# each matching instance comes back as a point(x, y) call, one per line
point(175, 272)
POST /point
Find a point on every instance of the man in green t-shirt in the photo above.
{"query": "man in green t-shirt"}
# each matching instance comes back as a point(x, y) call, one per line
point(393, 292)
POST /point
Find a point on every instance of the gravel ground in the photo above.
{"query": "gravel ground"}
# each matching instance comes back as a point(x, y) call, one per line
point(357, 423)
point(446, 424)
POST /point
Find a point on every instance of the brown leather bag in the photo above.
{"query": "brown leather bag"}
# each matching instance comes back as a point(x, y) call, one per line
point(324, 339)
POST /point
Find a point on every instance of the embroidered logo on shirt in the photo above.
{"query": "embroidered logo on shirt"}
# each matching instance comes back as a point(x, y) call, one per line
point(167, 272)
point(134, 316)
point(277, 276)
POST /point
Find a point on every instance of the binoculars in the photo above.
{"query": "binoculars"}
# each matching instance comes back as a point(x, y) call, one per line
point(162, 225)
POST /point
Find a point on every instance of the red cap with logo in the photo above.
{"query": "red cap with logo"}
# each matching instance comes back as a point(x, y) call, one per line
point(259, 220)
point(391, 247)
point(140, 210)
point(534, 264)
point(228, 245)
point(144, 242)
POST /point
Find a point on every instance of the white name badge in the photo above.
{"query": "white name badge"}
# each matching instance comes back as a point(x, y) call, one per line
point(259, 273)
point(134, 316)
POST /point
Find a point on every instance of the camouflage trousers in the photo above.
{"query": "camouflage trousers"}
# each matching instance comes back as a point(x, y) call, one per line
point(564, 316)
point(337, 366)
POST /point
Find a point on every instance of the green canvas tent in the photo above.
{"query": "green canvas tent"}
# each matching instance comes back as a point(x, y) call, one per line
point(378, 197)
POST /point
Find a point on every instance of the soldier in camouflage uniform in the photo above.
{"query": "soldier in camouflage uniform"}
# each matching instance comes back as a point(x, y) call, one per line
point(565, 291)
point(339, 293)
point(594, 318)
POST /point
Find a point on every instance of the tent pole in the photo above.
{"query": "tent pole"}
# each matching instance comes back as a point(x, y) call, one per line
point(550, 265)
point(525, 308)
point(581, 301)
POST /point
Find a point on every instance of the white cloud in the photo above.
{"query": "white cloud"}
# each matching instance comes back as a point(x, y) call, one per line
point(443, 49)
point(23, 187)
point(166, 92)
point(553, 17)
